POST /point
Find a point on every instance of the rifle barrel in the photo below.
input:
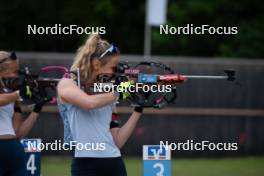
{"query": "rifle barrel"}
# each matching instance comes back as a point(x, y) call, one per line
point(204, 77)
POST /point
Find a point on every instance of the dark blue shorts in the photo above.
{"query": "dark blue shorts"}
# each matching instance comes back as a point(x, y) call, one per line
point(12, 158)
point(98, 167)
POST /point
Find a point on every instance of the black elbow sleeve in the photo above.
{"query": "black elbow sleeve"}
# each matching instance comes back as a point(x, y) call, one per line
point(115, 121)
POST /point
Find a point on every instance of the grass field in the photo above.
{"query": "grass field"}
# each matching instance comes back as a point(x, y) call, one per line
point(250, 166)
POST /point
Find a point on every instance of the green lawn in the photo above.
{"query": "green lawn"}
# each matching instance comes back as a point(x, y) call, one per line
point(250, 166)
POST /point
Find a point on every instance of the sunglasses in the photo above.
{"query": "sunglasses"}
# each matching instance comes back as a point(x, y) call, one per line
point(12, 56)
point(111, 50)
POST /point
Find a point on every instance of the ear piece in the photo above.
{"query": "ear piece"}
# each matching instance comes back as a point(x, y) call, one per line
point(13, 55)
point(96, 64)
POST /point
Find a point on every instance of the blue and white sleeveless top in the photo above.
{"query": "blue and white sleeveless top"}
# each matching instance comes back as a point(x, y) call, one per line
point(6, 116)
point(90, 128)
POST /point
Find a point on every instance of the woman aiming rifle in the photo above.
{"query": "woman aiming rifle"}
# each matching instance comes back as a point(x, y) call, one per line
point(87, 117)
point(12, 125)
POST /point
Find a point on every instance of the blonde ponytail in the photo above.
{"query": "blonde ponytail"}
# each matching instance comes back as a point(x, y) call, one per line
point(92, 48)
point(4, 66)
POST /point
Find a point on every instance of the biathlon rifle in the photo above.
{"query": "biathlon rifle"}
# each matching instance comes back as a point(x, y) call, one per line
point(144, 72)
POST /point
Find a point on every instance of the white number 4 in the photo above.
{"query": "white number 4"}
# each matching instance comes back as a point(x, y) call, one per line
point(31, 164)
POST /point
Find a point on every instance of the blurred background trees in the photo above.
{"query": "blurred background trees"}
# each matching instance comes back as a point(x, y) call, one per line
point(124, 22)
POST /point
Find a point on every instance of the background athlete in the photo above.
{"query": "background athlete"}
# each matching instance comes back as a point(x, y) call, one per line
point(12, 125)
